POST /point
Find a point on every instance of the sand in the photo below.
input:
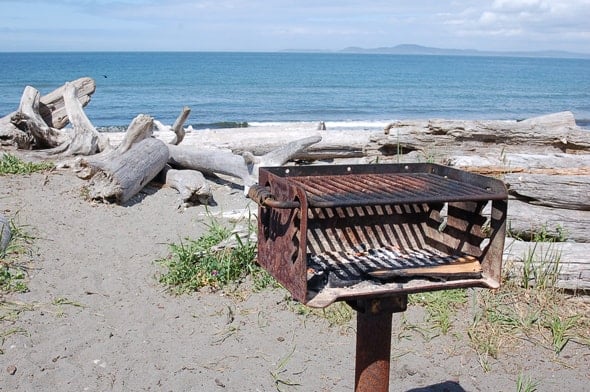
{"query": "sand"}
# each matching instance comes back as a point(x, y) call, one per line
point(95, 317)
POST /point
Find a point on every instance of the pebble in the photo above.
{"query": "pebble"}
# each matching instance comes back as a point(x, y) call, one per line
point(11, 369)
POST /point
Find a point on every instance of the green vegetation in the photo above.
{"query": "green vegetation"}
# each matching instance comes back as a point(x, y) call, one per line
point(529, 308)
point(526, 384)
point(338, 314)
point(278, 374)
point(441, 306)
point(10, 164)
point(12, 270)
point(194, 264)
point(13, 279)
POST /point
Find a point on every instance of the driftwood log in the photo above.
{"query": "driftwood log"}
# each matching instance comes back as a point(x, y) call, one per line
point(177, 127)
point(555, 132)
point(50, 111)
point(125, 175)
point(28, 119)
point(84, 139)
point(139, 129)
point(245, 167)
point(570, 192)
point(529, 222)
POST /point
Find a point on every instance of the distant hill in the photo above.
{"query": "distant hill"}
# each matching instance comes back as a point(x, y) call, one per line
point(409, 49)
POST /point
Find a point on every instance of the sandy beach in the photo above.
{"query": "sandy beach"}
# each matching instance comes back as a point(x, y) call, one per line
point(96, 318)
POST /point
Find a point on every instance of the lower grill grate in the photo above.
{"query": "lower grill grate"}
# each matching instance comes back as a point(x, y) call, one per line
point(389, 263)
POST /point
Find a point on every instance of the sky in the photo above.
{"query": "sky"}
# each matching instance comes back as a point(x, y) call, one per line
point(272, 25)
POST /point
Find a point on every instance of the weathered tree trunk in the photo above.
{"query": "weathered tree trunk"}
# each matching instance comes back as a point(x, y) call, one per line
point(177, 127)
point(139, 129)
point(210, 160)
point(50, 113)
point(555, 132)
point(573, 268)
point(245, 167)
point(53, 108)
point(529, 222)
point(550, 163)
point(28, 119)
point(558, 191)
point(11, 136)
point(125, 175)
point(85, 139)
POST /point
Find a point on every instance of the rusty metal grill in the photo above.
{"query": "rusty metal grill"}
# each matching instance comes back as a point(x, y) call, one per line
point(316, 217)
point(371, 234)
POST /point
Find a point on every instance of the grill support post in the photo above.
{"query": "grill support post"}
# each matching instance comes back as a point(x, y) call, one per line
point(373, 341)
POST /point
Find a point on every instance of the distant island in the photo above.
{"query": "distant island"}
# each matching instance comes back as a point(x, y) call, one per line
point(425, 50)
point(411, 49)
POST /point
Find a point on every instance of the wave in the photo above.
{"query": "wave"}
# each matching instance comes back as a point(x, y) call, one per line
point(352, 125)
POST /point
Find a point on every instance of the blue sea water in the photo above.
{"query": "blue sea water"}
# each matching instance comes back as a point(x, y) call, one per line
point(224, 88)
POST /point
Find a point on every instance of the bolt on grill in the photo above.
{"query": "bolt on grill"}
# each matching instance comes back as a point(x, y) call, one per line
point(372, 234)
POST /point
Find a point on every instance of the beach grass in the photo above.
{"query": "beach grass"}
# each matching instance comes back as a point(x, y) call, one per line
point(11, 164)
point(194, 264)
point(13, 279)
point(528, 309)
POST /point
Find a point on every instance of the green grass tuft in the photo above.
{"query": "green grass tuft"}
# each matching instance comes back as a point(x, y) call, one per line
point(10, 164)
point(195, 264)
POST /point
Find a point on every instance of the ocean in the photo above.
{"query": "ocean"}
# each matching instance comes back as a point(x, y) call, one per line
point(231, 89)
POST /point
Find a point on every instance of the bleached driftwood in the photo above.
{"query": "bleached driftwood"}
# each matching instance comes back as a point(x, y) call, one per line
point(178, 128)
point(528, 221)
point(245, 167)
point(84, 138)
point(191, 185)
point(5, 234)
point(210, 160)
point(28, 119)
point(53, 108)
point(139, 129)
point(558, 191)
point(573, 267)
point(550, 163)
point(556, 132)
point(11, 136)
point(50, 112)
point(125, 175)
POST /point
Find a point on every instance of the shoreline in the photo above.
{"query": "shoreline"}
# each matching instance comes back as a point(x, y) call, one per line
point(331, 125)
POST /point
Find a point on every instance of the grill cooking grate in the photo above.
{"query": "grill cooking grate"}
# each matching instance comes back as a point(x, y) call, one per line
point(400, 188)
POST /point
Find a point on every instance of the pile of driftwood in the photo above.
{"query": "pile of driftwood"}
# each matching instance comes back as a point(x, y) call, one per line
point(544, 161)
point(118, 172)
point(545, 164)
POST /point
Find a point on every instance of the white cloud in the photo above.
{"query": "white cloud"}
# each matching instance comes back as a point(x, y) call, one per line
point(520, 6)
point(536, 24)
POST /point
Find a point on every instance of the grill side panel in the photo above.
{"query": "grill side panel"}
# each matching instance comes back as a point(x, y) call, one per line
point(282, 235)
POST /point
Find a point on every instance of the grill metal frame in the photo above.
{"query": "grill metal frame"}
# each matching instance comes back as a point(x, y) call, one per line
point(311, 210)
